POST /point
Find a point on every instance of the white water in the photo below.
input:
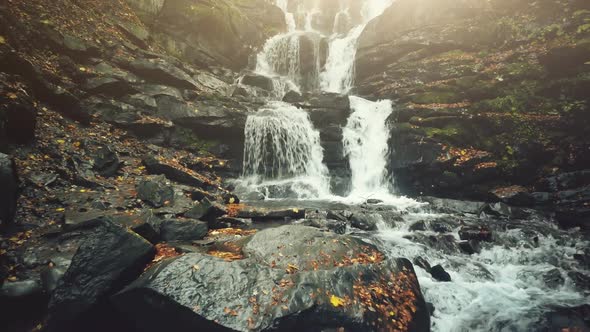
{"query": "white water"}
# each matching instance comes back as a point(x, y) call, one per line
point(499, 289)
point(365, 144)
point(282, 149)
point(338, 75)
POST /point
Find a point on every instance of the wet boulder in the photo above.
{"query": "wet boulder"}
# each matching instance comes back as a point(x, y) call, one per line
point(155, 191)
point(475, 233)
point(183, 230)
point(9, 192)
point(259, 81)
point(303, 291)
point(108, 258)
point(439, 273)
point(364, 221)
point(265, 215)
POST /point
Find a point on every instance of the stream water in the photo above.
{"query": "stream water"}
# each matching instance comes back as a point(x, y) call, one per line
point(509, 285)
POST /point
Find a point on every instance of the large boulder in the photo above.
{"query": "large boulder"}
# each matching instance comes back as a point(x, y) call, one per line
point(107, 259)
point(315, 281)
point(9, 192)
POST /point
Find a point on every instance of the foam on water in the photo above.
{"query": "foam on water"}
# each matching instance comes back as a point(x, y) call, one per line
point(499, 289)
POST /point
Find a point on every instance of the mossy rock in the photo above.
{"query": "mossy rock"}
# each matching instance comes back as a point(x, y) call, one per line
point(436, 98)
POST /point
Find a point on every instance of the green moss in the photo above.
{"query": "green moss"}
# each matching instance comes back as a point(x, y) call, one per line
point(187, 139)
point(442, 133)
point(444, 97)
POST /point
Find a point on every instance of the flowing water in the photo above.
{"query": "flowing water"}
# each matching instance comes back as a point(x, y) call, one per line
point(503, 287)
point(283, 156)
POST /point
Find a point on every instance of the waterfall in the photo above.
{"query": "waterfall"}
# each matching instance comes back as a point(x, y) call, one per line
point(365, 143)
point(338, 75)
point(283, 153)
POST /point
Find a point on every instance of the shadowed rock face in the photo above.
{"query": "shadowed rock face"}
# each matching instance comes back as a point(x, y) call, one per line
point(211, 33)
point(279, 286)
point(9, 193)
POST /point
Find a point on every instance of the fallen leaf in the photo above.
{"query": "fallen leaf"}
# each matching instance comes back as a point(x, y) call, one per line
point(336, 301)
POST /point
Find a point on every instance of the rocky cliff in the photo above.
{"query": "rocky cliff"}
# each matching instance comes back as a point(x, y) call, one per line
point(490, 94)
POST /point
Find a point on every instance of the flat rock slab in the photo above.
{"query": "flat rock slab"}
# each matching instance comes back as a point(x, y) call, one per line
point(199, 292)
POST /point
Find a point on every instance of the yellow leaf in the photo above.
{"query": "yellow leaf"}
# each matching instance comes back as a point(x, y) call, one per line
point(60, 141)
point(12, 96)
point(2, 40)
point(231, 200)
point(336, 301)
point(82, 69)
point(60, 210)
point(296, 210)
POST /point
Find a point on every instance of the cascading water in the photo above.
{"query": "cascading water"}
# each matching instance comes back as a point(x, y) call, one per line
point(283, 156)
point(338, 75)
point(508, 286)
point(365, 143)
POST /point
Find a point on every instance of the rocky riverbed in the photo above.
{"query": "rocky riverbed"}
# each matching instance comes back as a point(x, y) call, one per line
point(133, 199)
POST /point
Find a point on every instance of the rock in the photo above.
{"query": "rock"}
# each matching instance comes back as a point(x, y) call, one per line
point(439, 273)
point(454, 206)
point(55, 95)
point(9, 192)
point(364, 221)
point(136, 33)
point(156, 191)
point(565, 181)
point(161, 71)
point(262, 214)
point(108, 258)
point(339, 215)
point(209, 293)
point(293, 97)
point(108, 86)
point(469, 247)
point(223, 35)
point(497, 209)
point(106, 161)
point(475, 233)
point(553, 278)
point(373, 201)
point(172, 172)
point(213, 210)
point(42, 179)
point(183, 230)
point(232, 222)
point(18, 118)
point(573, 217)
point(423, 263)
point(566, 318)
point(336, 226)
point(581, 280)
point(418, 226)
point(259, 81)
point(20, 289)
point(198, 210)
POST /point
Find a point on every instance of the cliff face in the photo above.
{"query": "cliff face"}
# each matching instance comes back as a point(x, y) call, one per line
point(210, 33)
point(489, 93)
